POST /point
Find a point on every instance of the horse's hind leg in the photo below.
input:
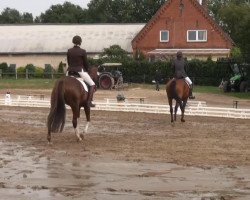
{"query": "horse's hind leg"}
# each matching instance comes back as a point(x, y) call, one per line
point(175, 110)
point(170, 102)
point(76, 114)
point(87, 113)
point(183, 110)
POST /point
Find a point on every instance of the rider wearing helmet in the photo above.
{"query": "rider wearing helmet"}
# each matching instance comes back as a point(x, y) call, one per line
point(179, 66)
point(77, 62)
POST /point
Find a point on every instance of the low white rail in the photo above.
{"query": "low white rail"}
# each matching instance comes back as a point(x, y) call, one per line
point(198, 109)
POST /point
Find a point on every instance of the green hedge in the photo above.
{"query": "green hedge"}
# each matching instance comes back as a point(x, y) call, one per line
point(208, 73)
point(201, 72)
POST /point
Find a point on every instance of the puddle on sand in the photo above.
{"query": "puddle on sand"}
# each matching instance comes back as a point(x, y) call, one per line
point(24, 174)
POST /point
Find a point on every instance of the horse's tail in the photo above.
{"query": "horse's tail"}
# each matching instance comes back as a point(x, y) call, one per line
point(174, 92)
point(56, 117)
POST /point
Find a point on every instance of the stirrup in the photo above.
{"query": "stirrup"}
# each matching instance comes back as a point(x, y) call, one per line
point(90, 104)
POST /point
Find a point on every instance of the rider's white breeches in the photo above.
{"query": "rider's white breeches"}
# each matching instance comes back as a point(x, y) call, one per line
point(188, 80)
point(86, 78)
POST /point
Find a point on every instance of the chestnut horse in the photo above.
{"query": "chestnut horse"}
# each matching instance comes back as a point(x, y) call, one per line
point(177, 89)
point(68, 90)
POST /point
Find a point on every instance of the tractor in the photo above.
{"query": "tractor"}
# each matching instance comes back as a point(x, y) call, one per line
point(238, 81)
point(110, 76)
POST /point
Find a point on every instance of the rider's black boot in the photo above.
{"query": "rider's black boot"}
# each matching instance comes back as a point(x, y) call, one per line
point(191, 92)
point(90, 96)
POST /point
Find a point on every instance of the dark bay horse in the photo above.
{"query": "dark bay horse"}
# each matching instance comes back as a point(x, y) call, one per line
point(177, 89)
point(68, 90)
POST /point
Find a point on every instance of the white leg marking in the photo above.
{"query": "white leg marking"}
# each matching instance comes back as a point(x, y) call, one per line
point(86, 127)
point(77, 134)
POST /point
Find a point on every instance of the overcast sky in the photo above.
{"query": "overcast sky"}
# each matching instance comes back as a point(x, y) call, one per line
point(36, 7)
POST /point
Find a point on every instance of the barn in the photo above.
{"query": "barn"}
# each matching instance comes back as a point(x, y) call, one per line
point(183, 25)
point(48, 44)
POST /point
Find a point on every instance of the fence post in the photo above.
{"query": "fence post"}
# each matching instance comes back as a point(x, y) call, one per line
point(1, 73)
point(16, 73)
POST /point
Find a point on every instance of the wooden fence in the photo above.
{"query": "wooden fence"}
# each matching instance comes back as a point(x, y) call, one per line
point(197, 108)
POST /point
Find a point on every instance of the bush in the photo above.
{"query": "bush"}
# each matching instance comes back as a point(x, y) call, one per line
point(48, 71)
point(60, 69)
point(21, 71)
point(31, 70)
point(4, 67)
point(201, 72)
point(39, 72)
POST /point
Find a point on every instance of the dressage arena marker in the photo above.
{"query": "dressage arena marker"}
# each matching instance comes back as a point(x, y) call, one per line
point(194, 108)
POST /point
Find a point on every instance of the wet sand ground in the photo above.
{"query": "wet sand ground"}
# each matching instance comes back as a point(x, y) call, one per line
point(124, 156)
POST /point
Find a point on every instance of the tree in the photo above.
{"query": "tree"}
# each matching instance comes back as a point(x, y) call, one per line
point(215, 7)
point(122, 11)
point(106, 11)
point(115, 52)
point(10, 16)
point(142, 11)
point(27, 18)
point(31, 69)
point(48, 71)
point(3, 67)
point(60, 69)
point(236, 22)
point(66, 13)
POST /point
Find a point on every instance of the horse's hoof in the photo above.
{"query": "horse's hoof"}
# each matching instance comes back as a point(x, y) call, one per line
point(172, 124)
point(183, 120)
point(82, 136)
point(49, 143)
point(79, 139)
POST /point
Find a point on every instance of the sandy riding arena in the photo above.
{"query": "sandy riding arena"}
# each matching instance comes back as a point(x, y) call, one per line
point(125, 156)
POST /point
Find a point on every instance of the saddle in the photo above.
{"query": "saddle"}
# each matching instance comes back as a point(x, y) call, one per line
point(78, 77)
point(74, 74)
point(183, 80)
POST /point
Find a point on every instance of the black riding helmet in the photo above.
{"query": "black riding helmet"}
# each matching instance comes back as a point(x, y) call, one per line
point(77, 40)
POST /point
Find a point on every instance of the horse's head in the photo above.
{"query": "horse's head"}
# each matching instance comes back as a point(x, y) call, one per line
point(93, 73)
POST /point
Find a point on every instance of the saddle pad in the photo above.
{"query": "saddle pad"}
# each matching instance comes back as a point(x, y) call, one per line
point(186, 82)
point(83, 84)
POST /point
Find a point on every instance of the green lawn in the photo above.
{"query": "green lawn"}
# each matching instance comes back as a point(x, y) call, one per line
point(27, 83)
point(49, 83)
point(217, 90)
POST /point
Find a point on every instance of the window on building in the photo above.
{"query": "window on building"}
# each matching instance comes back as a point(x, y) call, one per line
point(196, 35)
point(164, 36)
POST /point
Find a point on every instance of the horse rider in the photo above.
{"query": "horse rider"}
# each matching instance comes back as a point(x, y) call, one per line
point(179, 66)
point(77, 62)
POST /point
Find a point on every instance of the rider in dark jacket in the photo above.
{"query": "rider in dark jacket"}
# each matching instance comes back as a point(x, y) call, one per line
point(179, 67)
point(77, 62)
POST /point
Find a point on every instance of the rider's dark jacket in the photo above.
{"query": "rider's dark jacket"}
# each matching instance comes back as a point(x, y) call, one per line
point(77, 59)
point(179, 67)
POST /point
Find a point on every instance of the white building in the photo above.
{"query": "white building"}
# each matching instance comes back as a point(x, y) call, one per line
point(48, 44)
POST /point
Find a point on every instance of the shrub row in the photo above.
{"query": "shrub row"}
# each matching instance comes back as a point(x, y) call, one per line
point(201, 72)
point(139, 71)
point(31, 71)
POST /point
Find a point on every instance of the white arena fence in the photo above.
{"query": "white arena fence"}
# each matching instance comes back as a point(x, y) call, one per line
point(194, 108)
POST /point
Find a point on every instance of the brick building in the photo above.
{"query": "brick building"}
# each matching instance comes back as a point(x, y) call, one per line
point(178, 25)
point(182, 25)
